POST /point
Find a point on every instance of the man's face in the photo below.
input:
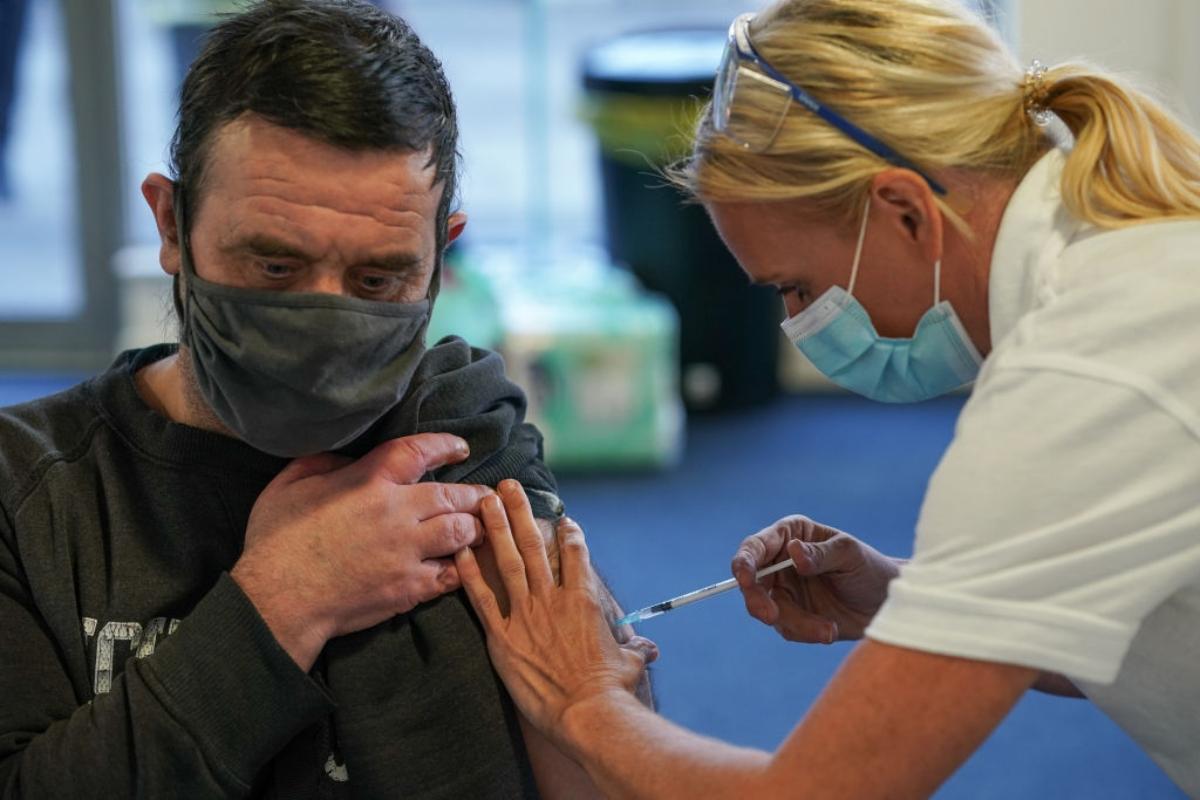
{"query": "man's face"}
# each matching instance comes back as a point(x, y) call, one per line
point(282, 211)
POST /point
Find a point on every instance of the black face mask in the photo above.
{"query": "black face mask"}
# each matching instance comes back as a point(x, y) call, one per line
point(294, 373)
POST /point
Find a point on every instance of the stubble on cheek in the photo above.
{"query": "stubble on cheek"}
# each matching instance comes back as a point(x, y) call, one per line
point(200, 414)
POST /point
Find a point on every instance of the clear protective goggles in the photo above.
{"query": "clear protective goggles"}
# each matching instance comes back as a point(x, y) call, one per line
point(750, 106)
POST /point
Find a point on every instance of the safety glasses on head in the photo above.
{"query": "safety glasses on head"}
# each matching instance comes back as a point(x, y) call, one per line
point(750, 105)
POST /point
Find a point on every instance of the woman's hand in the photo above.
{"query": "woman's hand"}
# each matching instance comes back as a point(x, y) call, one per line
point(834, 591)
point(554, 648)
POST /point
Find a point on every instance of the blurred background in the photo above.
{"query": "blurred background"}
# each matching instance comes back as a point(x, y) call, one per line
point(678, 418)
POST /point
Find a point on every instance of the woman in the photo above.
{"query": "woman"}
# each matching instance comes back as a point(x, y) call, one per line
point(1061, 533)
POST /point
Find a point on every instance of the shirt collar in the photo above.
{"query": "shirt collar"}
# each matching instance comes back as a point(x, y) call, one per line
point(1034, 230)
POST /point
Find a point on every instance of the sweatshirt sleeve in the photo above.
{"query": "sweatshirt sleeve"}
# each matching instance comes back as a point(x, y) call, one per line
point(199, 717)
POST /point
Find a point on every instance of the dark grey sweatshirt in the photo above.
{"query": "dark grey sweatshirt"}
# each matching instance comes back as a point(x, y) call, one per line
point(132, 665)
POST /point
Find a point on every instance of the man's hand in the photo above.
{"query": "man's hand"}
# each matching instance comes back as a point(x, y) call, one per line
point(335, 546)
point(835, 589)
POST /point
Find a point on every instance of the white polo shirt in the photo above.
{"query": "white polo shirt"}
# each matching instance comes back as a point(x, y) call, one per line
point(1061, 530)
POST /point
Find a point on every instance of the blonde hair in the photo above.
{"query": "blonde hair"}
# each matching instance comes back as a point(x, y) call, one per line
point(938, 85)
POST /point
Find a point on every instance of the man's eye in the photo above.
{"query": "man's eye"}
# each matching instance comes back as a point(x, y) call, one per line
point(379, 284)
point(275, 271)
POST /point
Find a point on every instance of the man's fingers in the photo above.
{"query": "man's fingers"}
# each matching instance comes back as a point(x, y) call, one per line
point(483, 600)
point(527, 535)
point(406, 460)
point(574, 563)
point(434, 499)
point(433, 578)
point(508, 557)
point(445, 535)
point(445, 577)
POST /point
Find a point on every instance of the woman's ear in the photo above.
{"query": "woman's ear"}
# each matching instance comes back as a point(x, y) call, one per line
point(159, 191)
point(904, 202)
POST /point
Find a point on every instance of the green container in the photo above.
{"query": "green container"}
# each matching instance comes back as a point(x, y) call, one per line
point(596, 355)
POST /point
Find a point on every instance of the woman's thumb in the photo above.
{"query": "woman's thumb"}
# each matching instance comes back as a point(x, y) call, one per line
point(809, 558)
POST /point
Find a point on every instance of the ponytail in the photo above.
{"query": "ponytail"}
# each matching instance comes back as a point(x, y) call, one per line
point(1132, 160)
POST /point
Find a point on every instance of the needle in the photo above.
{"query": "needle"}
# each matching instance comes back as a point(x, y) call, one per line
point(692, 597)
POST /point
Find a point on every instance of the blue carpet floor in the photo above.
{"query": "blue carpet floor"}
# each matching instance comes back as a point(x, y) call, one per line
point(852, 464)
point(858, 466)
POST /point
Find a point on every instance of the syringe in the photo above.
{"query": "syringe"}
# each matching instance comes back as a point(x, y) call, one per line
point(692, 597)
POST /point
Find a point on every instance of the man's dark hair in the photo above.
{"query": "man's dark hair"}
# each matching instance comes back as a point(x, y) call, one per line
point(341, 71)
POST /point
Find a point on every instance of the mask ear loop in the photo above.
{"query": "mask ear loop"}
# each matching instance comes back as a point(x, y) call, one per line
point(862, 235)
point(937, 281)
point(187, 269)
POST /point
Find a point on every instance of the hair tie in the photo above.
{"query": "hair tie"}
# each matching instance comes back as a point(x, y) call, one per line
point(1036, 93)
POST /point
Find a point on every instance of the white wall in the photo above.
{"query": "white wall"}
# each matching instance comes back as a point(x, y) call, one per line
point(1156, 42)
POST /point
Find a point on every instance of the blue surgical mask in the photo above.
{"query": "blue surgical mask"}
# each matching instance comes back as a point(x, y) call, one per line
point(837, 336)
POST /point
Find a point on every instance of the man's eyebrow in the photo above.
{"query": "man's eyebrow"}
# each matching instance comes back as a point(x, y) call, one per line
point(394, 262)
point(267, 246)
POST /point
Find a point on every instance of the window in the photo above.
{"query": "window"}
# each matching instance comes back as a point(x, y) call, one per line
point(57, 224)
point(75, 155)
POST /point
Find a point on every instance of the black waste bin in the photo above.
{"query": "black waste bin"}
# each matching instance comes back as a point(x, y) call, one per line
point(643, 94)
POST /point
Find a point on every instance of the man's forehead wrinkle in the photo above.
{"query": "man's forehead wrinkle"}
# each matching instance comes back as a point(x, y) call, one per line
point(386, 211)
point(403, 183)
point(236, 234)
point(388, 217)
point(231, 235)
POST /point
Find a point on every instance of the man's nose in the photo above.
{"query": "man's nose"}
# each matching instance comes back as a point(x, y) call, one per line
point(322, 281)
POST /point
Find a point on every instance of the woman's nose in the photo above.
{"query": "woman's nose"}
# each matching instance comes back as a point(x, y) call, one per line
point(792, 304)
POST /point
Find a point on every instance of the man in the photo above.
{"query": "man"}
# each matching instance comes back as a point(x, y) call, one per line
point(190, 613)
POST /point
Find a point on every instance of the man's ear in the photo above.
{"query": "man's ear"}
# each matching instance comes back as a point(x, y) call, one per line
point(159, 191)
point(904, 201)
point(455, 225)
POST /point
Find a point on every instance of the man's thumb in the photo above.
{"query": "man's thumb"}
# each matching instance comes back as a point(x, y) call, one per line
point(308, 466)
point(407, 459)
